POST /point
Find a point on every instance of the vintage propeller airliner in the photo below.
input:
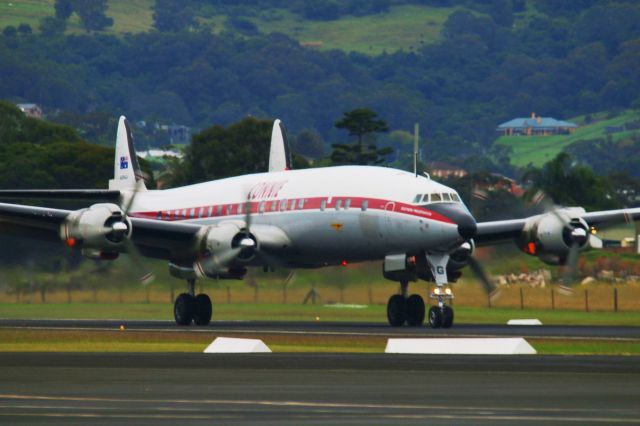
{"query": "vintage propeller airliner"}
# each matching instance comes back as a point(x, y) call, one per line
point(310, 218)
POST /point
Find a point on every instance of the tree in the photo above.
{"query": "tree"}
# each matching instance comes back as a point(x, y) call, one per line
point(219, 152)
point(360, 122)
point(10, 31)
point(574, 185)
point(169, 15)
point(92, 14)
point(25, 29)
point(64, 9)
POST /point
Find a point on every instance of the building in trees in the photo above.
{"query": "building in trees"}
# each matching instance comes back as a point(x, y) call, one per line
point(535, 126)
point(31, 110)
point(179, 135)
point(441, 170)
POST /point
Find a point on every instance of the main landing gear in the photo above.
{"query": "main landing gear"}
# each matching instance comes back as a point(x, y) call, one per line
point(188, 307)
point(404, 309)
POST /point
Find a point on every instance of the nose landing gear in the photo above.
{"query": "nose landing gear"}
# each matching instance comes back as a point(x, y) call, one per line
point(441, 315)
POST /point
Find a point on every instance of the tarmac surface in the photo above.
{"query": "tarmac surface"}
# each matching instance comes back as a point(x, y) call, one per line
point(344, 328)
point(315, 389)
point(319, 389)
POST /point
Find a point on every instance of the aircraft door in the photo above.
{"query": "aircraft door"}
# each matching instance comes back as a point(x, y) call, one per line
point(389, 208)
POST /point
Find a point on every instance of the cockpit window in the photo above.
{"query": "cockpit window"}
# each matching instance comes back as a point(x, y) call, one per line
point(425, 198)
point(456, 198)
point(446, 196)
point(417, 198)
point(435, 198)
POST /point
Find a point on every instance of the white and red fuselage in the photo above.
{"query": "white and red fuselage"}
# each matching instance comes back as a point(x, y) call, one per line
point(330, 215)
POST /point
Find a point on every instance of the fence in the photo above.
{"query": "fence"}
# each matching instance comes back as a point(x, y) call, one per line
point(598, 297)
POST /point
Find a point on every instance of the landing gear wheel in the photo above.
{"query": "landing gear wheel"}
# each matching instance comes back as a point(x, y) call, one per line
point(203, 309)
point(184, 308)
point(397, 310)
point(435, 317)
point(447, 317)
point(415, 310)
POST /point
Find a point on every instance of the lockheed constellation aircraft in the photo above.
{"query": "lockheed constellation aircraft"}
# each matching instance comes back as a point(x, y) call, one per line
point(310, 218)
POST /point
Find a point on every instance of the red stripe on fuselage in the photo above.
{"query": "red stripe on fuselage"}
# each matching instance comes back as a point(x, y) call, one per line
point(292, 205)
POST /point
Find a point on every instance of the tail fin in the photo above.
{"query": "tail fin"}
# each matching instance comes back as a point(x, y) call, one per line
point(279, 154)
point(126, 170)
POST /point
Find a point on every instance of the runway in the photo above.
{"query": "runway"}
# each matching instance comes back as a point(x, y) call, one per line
point(318, 389)
point(315, 389)
point(343, 328)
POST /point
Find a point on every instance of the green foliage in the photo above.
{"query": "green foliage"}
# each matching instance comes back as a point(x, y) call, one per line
point(479, 73)
point(169, 15)
point(9, 31)
point(92, 14)
point(574, 185)
point(52, 27)
point(16, 127)
point(24, 29)
point(360, 122)
point(219, 152)
point(64, 9)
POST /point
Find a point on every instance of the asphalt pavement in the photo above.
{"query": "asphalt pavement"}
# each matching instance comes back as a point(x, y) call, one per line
point(315, 389)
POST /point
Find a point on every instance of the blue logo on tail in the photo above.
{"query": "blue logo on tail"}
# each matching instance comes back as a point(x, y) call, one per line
point(124, 163)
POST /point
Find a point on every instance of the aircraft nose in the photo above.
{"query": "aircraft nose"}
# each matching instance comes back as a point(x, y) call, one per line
point(467, 227)
point(459, 215)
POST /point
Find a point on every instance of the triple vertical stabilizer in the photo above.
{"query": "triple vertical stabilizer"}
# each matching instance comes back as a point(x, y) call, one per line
point(126, 170)
point(279, 154)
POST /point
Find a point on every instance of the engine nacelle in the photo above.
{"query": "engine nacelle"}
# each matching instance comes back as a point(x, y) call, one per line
point(459, 258)
point(550, 236)
point(224, 248)
point(101, 227)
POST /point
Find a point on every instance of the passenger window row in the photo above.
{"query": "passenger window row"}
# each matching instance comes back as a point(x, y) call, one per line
point(230, 209)
point(345, 204)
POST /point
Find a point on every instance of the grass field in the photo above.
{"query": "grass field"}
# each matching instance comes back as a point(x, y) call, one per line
point(129, 16)
point(298, 312)
point(538, 150)
point(405, 27)
point(54, 340)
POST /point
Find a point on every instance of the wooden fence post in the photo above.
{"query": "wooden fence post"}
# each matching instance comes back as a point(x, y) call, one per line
point(586, 300)
point(615, 299)
point(521, 299)
point(553, 300)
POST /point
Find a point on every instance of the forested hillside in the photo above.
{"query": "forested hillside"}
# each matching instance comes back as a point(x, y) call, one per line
point(492, 61)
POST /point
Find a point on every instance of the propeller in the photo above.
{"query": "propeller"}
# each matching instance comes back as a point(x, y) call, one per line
point(573, 232)
point(148, 276)
point(489, 287)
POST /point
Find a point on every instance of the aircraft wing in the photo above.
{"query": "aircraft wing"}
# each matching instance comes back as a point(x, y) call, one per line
point(93, 195)
point(498, 231)
point(506, 230)
point(164, 240)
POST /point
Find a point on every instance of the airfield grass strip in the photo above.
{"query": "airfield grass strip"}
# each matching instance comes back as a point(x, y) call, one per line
point(48, 340)
point(299, 312)
point(51, 340)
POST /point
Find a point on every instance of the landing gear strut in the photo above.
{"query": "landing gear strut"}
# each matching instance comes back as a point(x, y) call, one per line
point(191, 308)
point(403, 308)
point(441, 315)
